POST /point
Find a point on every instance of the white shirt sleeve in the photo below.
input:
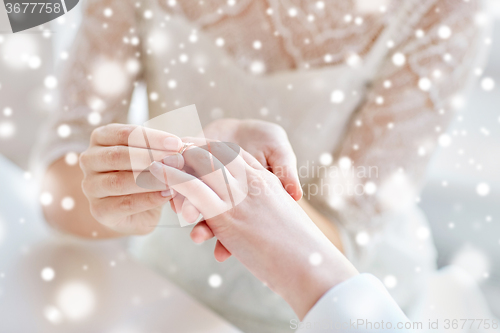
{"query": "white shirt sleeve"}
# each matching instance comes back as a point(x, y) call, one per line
point(359, 305)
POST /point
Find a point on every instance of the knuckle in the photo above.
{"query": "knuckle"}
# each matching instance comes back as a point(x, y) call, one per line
point(126, 203)
point(152, 199)
point(258, 181)
point(95, 133)
point(113, 155)
point(83, 160)
point(86, 186)
point(204, 158)
point(261, 177)
point(123, 133)
point(115, 182)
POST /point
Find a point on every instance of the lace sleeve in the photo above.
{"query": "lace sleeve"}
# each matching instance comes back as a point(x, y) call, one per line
point(97, 80)
point(404, 116)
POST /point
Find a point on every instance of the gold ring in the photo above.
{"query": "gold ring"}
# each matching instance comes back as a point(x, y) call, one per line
point(185, 146)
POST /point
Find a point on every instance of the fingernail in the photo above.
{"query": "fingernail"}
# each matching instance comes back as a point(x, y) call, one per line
point(173, 160)
point(173, 144)
point(155, 167)
point(167, 193)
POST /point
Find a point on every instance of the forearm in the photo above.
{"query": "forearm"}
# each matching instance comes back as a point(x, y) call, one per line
point(301, 266)
point(296, 261)
point(62, 180)
point(323, 270)
point(325, 225)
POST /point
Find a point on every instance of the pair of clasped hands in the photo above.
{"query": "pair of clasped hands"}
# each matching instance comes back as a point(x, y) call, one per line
point(257, 220)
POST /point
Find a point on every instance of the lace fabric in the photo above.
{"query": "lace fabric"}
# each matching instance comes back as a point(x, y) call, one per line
point(409, 104)
point(296, 33)
point(397, 126)
point(417, 85)
point(416, 93)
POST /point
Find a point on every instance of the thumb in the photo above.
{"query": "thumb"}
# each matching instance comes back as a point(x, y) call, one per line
point(283, 164)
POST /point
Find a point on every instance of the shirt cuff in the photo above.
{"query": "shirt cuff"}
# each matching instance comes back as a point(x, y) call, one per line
point(358, 305)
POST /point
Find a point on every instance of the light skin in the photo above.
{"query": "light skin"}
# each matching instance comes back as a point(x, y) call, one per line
point(268, 143)
point(267, 231)
point(108, 203)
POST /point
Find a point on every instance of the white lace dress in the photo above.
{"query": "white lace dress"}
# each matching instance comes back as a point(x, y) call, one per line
point(364, 88)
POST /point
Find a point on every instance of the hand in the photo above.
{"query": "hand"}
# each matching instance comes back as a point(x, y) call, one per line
point(267, 142)
point(116, 201)
point(267, 231)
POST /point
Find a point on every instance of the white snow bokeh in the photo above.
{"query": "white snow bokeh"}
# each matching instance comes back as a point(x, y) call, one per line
point(67, 203)
point(46, 198)
point(325, 159)
point(337, 96)
point(370, 188)
point(50, 82)
point(257, 67)
point(7, 129)
point(94, 118)
point(159, 41)
point(362, 238)
point(444, 32)
point(444, 140)
point(76, 300)
point(390, 281)
point(48, 274)
point(215, 280)
point(64, 130)
point(109, 78)
point(424, 84)
point(20, 51)
point(397, 193)
point(345, 163)
point(370, 6)
point(399, 59)
point(53, 314)
point(71, 158)
point(473, 261)
point(488, 84)
point(315, 259)
point(483, 189)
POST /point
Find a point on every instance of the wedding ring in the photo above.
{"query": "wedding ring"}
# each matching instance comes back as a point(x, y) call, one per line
point(185, 146)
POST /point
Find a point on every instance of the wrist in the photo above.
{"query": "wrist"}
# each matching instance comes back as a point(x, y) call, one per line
point(301, 266)
point(322, 271)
